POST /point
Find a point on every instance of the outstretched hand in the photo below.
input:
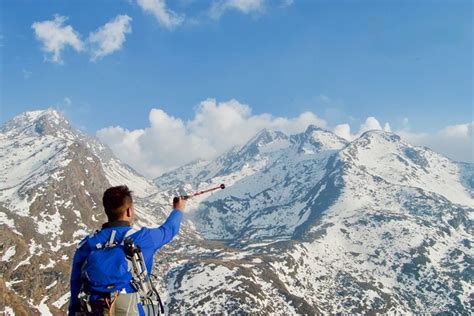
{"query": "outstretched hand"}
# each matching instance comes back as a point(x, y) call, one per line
point(179, 203)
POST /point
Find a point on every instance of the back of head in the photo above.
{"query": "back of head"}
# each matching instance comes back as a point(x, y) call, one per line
point(116, 200)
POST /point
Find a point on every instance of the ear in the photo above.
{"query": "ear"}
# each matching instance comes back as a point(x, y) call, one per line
point(129, 212)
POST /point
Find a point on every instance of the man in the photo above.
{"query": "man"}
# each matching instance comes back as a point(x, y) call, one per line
point(118, 205)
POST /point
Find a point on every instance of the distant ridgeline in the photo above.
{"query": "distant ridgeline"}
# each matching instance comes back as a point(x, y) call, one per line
point(309, 223)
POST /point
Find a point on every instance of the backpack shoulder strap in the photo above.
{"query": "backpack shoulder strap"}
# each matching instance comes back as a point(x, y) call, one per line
point(87, 238)
point(129, 232)
point(111, 241)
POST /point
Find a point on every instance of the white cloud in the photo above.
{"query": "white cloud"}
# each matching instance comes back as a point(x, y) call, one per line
point(163, 15)
point(219, 7)
point(344, 131)
point(109, 37)
point(104, 41)
point(55, 37)
point(216, 127)
point(371, 123)
point(453, 141)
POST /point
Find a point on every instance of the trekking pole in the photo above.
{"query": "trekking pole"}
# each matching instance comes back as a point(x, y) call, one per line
point(186, 197)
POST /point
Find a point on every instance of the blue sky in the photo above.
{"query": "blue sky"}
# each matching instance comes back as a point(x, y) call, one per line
point(399, 61)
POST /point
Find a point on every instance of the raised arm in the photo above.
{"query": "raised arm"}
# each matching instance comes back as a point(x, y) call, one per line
point(170, 228)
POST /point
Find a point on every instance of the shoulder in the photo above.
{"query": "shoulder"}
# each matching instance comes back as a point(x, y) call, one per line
point(143, 236)
point(139, 233)
point(85, 242)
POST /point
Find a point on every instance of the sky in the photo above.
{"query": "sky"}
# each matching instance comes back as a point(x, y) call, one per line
point(152, 76)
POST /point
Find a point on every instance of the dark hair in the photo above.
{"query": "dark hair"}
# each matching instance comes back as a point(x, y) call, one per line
point(114, 199)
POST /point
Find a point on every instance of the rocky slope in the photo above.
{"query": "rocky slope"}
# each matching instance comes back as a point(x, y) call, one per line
point(51, 182)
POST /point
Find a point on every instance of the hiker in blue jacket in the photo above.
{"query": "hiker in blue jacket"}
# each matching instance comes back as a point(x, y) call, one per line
point(118, 205)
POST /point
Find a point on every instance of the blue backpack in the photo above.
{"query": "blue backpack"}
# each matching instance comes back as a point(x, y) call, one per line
point(107, 269)
point(110, 268)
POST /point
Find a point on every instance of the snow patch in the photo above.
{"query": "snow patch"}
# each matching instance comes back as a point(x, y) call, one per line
point(43, 308)
point(9, 311)
point(9, 254)
point(62, 300)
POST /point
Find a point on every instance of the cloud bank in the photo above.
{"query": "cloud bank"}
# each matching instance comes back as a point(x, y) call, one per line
point(169, 142)
point(216, 127)
point(454, 141)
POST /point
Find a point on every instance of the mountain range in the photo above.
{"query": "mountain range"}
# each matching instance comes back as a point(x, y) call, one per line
point(309, 223)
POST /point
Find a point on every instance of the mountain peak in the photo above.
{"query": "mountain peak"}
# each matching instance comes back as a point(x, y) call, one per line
point(315, 139)
point(266, 136)
point(31, 116)
point(40, 122)
point(375, 141)
point(312, 128)
point(381, 135)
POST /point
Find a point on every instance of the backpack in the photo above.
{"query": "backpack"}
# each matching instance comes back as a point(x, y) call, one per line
point(109, 269)
point(106, 269)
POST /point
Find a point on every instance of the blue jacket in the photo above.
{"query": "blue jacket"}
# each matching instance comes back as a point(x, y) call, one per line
point(149, 239)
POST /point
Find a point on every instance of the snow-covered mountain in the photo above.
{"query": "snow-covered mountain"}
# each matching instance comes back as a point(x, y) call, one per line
point(309, 223)
point(322, 225)
point(51, 182)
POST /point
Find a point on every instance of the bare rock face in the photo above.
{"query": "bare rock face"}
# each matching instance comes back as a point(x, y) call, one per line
point(308, 224)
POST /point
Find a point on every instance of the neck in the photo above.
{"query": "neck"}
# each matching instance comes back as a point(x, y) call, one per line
point(117, 223)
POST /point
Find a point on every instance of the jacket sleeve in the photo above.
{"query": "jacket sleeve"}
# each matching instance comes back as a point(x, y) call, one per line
point(79, 257)
point(165, 233)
